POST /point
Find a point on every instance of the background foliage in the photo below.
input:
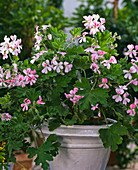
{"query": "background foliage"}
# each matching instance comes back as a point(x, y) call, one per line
point(20, 17)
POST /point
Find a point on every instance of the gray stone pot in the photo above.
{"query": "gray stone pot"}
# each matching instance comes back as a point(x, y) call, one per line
point(81, 148)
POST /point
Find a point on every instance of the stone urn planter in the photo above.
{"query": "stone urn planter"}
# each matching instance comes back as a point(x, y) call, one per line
point(81, 148)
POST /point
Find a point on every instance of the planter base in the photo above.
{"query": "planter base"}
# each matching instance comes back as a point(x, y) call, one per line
point(82, 159)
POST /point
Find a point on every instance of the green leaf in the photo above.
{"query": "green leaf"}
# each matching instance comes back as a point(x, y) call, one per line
point(45, 152)
point(111, 137)
point(93, 96)
point(83, 84)
point(62, 81)
point(14, 145)
point(75, 31)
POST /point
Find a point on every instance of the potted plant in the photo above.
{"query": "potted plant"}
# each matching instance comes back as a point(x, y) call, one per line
point(75, 89)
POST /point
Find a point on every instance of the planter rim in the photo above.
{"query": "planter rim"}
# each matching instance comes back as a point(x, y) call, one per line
point(86, 126)
point(77, 130)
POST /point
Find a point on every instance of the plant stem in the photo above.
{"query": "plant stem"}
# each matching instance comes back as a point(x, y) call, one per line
point(10, 57)
point(20, 165)
point(34, 137)
point(42, 134)
point(105, 118)
point(84, 73)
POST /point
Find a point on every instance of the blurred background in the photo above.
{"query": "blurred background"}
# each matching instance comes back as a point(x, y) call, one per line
point(20, 17)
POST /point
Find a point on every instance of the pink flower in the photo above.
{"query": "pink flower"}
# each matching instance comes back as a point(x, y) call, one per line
point(113, 60)
point(65, 106)
point(136, 47)
point(30, 76)
point(49, 36)
point(67, 67)
point(104, 85)
point(136, 67)
point(130, 50)
point(73, 97)
point(12, 47)
point(132, 110)
point(95, 67)
point(67, 95)
point(6, 116)
point(83, 38)
point(136, 102)
point(25, 104)
point(46, 66)
point(126, 100)
point(118, 97)
point(40, 100)
point(62, 53)
point(93, 24)
point(57, 66)
point(99, 114)
point(107, 62)
point(135, 82)
point(128, 73)
point(101, 53)
point(94, 107)
point(45, 27)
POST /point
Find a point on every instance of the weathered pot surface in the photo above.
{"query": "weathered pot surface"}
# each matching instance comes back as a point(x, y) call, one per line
point(81, 148)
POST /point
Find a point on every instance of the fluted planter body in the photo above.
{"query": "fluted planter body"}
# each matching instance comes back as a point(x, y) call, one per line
point(81, 148)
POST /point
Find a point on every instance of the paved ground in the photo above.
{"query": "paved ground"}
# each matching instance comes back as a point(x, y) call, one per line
point(133, 167)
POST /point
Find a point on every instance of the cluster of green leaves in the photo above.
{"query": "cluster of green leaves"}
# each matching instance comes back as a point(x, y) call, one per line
point(13, 133)
point(45, 152)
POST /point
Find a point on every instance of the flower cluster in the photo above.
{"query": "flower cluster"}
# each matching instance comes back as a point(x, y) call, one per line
point(94, 108)
point(12, 46)
point(39, 36)
point(93, 24)
point(27, 102)
point(72, 96)
point(5, 116)
point(15, 78)
point(56, 66)
point(131, 51)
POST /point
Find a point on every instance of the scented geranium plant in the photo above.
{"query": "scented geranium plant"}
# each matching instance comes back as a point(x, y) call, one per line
point(77, 81)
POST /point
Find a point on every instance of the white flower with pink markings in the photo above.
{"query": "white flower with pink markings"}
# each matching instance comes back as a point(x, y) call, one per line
point(12, 46)
point(47, 67)
point(25, 104)
point(126, 100)
point(118, 97)
point(93, 24)
point(5, 116)
point(108, 62)
point(104, 85)
point(128, 73)
point(40, 100)
point(94, 107)
point(131, 111)
point(67, 67)
point(130, 50)
point(72, 96)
